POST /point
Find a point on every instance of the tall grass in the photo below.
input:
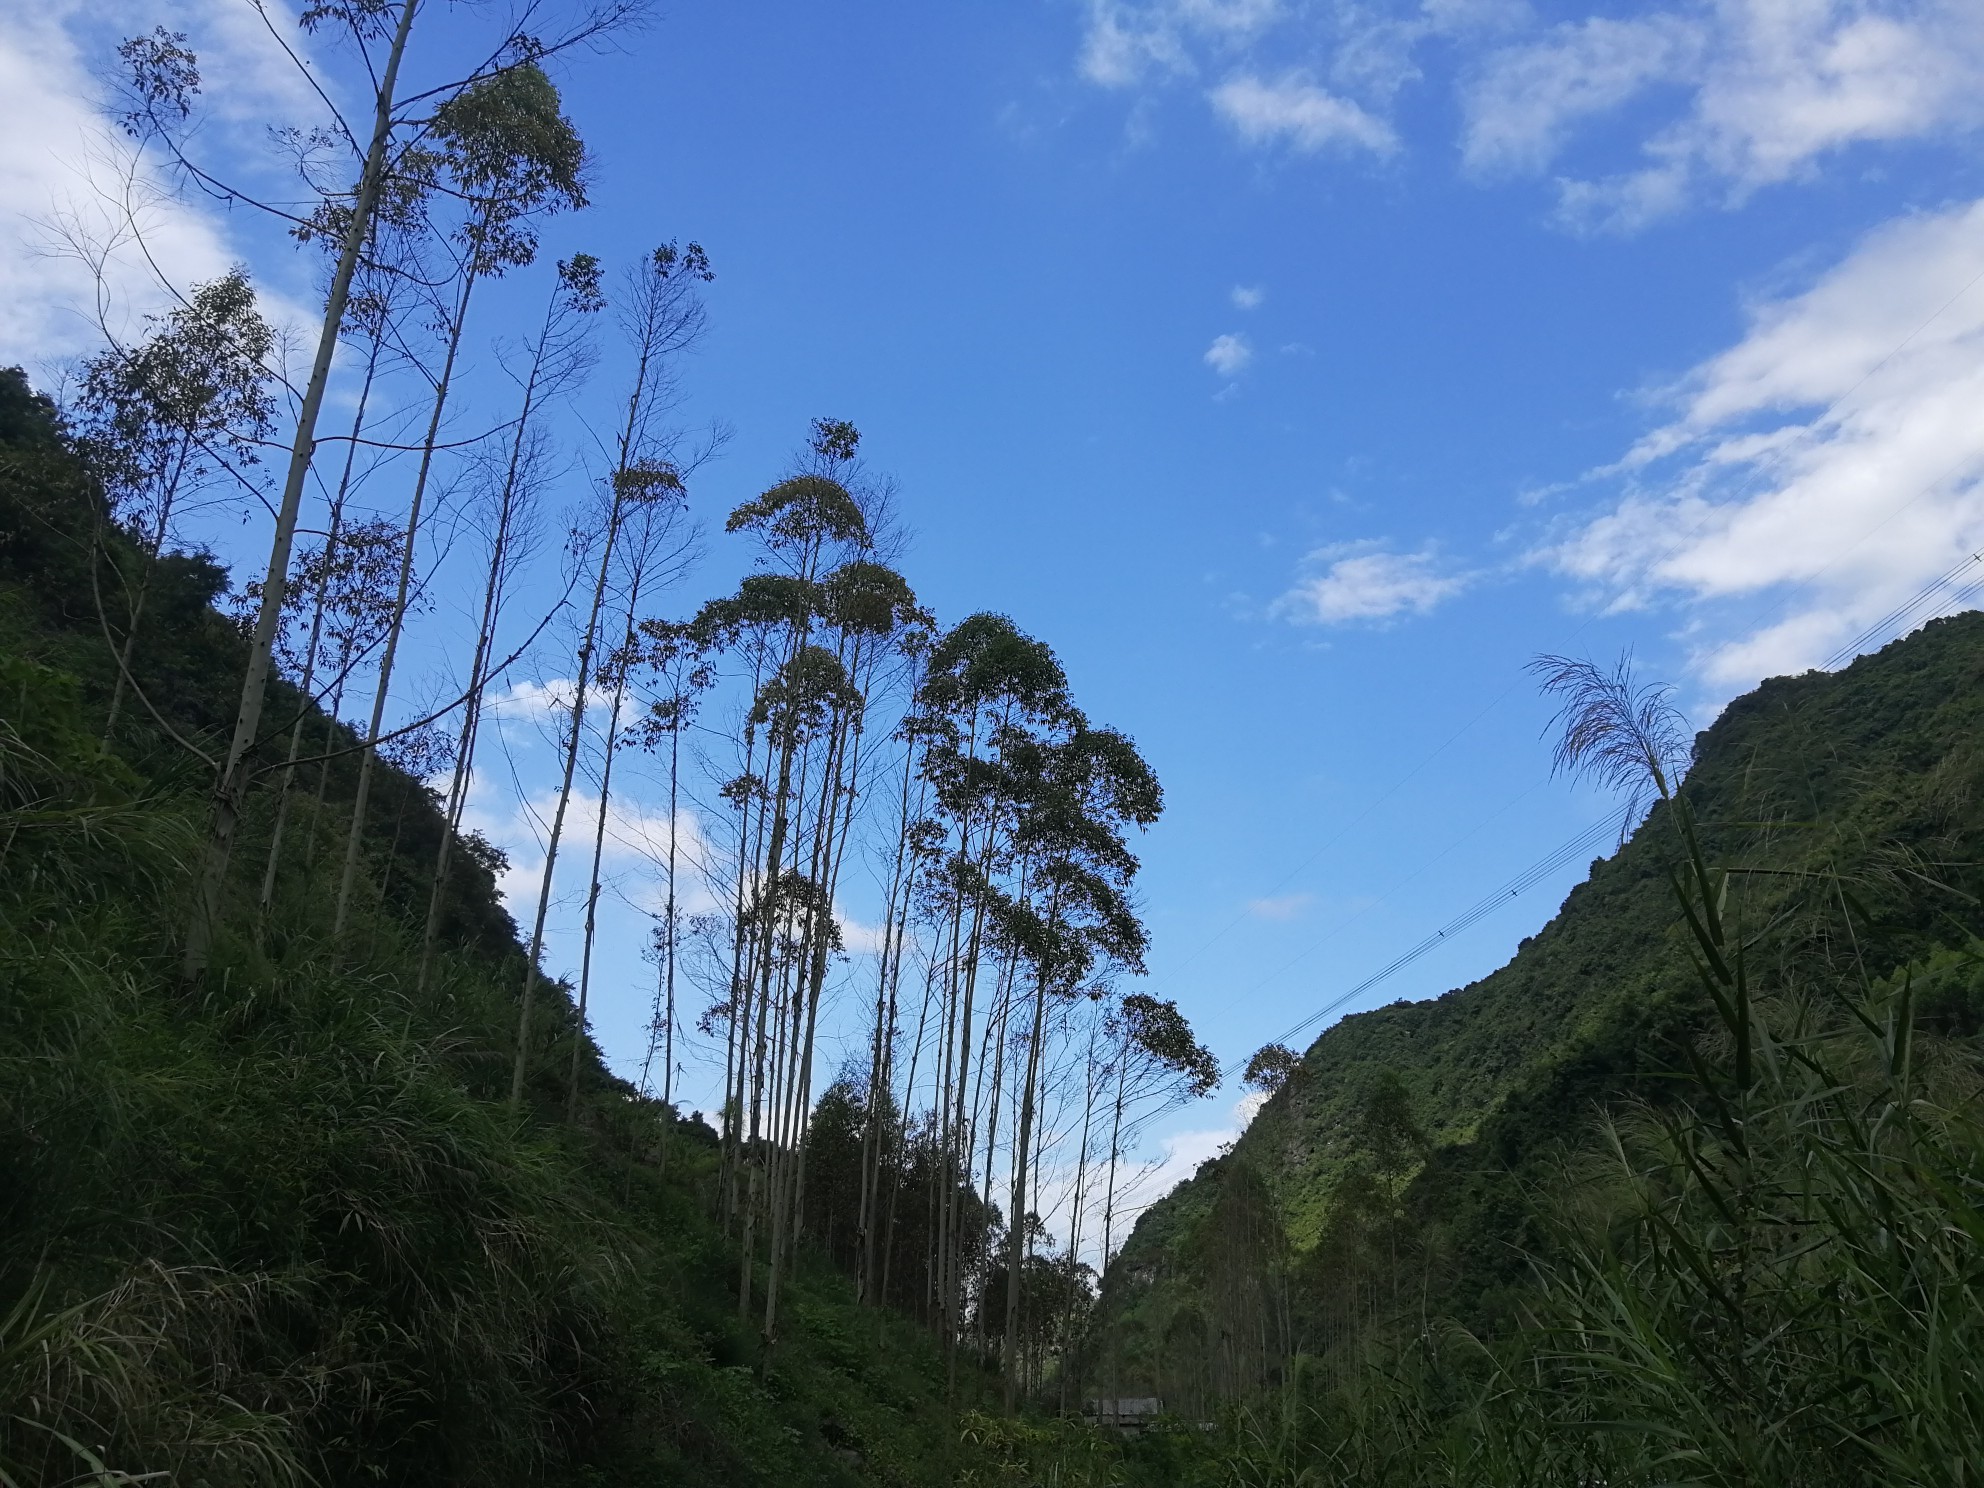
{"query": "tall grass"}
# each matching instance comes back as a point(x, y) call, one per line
point(1772, 1273)
point(1767, 1271)
point(288, 1231)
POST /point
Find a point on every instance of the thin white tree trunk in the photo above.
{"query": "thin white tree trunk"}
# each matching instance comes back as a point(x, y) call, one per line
point(231, 783)
point(573, 734)
point(367, 757)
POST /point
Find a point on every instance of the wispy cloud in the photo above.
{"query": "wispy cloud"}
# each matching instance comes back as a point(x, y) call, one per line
point(635, 846)
point(1281, 906)
point(1700, 101)
point(1833, 456)
point(71, 181)
point(1345, 583)
point(1229, 354)
point(1248, 296)
point(1762, 90)
point(1129, 40)
point(1293, 111)
point(1524, 101)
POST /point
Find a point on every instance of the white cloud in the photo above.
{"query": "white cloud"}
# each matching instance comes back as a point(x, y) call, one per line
point(1364, 581)
point(1281, 906)
point(528, 700)
point(1718, 97)
point(858, 938)
point(1179, 1155)
point(1126, 42)
point(63, 162)
point(1834, 457)
point(1520, 109)
point(1765, 90)
point(635, 848)
point(1229, 354)
point(1248, 296)
point(68, 171)
point(1292, 110)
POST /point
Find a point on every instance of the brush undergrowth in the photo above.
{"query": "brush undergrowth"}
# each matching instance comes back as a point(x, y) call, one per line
point(286, 1229)
point(1769, 1273)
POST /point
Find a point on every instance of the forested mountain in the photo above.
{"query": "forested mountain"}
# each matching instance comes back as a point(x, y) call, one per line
point(1404, 1166)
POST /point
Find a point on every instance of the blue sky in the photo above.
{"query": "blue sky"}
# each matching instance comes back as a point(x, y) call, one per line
point(1296, 370)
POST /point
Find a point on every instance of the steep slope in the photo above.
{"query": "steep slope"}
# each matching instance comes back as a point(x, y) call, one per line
point(286, 1228)
point(1416, 1129)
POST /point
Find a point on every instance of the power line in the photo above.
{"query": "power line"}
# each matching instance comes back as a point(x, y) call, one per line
point(1902, 617)
point(1610, 826)
point(1942, 592)
point(1757, 473)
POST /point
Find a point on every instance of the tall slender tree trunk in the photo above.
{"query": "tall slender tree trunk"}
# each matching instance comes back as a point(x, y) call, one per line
point(767, 1165)
point(231, 783)
point(599, 844)
point(148, 566)
point(1078, 1209)
point(882, 1045)
point(269, 871)
point(1109, 1200)
point(367, 757)
point(668, 951)
point(832, 820)
point(574, 733)
point(485, 643)
point(742, 980)
point(1016, 1228)
point(898, 1177)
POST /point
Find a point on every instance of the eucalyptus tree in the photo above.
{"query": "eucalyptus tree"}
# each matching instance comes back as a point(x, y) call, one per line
point(913, 847)
point(1270, 1067)
point(560, 354)
point(504, 147)
point(1077, 796)
point(656, 548)
point(675, 675)
point(356, 578)
point(348, 581)
point(988, 693)
point(159, 422)
point(1157, 1063)
point(868, 619)
point(368, 316)
point(352, 166)
point(661, 316)
point(802, 621)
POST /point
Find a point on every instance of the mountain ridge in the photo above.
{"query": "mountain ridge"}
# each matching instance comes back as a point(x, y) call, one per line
point(1869, 767)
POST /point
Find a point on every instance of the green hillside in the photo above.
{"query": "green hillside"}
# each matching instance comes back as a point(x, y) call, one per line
point(1413, 1140)
point(285, 1228)
point(1690, 1191)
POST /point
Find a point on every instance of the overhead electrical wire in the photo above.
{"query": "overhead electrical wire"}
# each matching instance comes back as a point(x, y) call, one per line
point(1947, 591)
point(1610, 826)
point(1674, 546)
point(1937, 594)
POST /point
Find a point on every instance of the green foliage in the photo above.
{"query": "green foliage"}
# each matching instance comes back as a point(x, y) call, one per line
point(1818, 791)
point(1703, 1191)
point(1159, 1031)
point(1690, 1192)
point(286, 1229)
